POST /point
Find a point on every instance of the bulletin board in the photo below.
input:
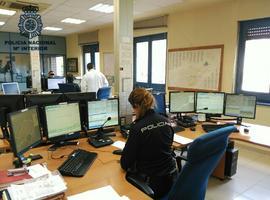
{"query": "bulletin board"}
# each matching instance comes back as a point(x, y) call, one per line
point(195, 68)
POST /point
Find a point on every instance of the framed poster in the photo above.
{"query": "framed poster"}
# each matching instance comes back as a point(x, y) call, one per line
point(72, 65)
point(195, 68)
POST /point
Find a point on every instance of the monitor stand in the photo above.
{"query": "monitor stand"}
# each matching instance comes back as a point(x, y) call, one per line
point(239, 120)
point(61, 144)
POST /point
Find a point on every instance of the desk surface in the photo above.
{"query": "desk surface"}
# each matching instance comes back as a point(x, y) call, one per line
point(104, 171)
point(259, 135)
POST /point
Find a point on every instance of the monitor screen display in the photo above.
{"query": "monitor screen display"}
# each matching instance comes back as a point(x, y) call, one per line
point(62, 119)
point(210, 102)
point(182, 102)
point(243, 106)
point(53, 83)
point(10, 88)
point(25, 130)
point(99, 111)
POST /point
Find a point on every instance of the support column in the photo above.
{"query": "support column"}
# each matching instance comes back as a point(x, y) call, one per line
point(35, 65)
point(123, 52)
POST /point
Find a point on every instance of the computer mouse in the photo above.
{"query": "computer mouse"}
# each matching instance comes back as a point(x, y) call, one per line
point(192, 128)
point(246, 130)
point(117, 152)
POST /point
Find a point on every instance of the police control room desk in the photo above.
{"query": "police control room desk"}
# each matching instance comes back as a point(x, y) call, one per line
point(105, 170)
point(257, 135)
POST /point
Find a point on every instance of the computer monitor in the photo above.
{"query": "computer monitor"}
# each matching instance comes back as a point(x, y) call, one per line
point(42, 100)
point(181, 102)
point(25, 130)
point(11, 88)
point(52, 83)
point(100, 111)
point(9, 103)
point(82, 98)
point(160, 106)
point(62, 123)
point(211, 103)
point(240, 106)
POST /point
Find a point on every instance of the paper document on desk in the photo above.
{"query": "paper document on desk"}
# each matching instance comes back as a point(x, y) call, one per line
point(39, 188)
point(105, 193)
point(181, 140)
point(119, 144)
point(38, 170)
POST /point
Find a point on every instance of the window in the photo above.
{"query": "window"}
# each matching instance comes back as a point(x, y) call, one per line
point(91, 55)
point(52, 62)
point(253, 63)
point(150, 61)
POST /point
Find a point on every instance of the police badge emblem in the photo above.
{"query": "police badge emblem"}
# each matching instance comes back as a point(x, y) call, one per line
point(30, 24)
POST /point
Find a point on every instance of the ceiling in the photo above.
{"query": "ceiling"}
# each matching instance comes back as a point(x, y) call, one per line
point(57, 10)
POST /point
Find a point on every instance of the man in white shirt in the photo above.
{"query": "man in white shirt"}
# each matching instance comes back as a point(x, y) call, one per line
point(93, 80)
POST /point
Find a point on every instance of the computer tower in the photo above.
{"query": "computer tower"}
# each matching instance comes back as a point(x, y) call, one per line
point(231, 161)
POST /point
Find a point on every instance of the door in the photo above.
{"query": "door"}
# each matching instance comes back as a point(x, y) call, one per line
point(91, 55)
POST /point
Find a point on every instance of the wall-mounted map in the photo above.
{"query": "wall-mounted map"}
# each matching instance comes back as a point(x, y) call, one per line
point(196, 68)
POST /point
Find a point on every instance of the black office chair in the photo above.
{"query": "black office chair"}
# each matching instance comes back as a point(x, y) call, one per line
point(202, 157)
point(68, 87)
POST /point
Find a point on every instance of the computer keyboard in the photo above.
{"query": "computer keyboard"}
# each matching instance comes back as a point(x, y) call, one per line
point(212, 127)
point(77, 163)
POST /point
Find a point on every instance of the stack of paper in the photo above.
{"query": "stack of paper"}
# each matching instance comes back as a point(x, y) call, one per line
point(181, 140)
point(119, 144)
point(39, 188)
point(104, 193)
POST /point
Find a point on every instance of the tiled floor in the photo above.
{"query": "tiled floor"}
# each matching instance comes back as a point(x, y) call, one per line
point(251, 182)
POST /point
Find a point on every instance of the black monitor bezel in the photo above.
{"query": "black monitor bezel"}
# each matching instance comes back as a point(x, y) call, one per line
point(233, 94)
point(194, 107)
point(104, 119)
point(62, 137)
point(12, 139)
point(210, 112)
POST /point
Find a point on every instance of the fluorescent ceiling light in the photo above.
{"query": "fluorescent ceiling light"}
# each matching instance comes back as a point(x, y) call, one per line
point(73, 21)
point(48, 28)
point(7, 12)
point(105, 8)
point(2, 23)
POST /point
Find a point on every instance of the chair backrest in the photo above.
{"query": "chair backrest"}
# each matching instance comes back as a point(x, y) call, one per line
point(67, 87)
point(104, 92)
point(160, 103)
point(202, 157)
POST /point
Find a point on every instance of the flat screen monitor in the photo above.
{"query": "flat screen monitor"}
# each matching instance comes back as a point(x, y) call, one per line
point(52, 83)
point(42, 100)
point(100, 111)
point(25, 130)
point(62, 120)
point(160, 103)
point(11, 88)
point(82, 98)
point(210, 102)
point(243, 106)
point(181, 102)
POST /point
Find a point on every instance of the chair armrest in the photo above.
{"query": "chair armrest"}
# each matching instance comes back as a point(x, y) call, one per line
point(140, 184)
